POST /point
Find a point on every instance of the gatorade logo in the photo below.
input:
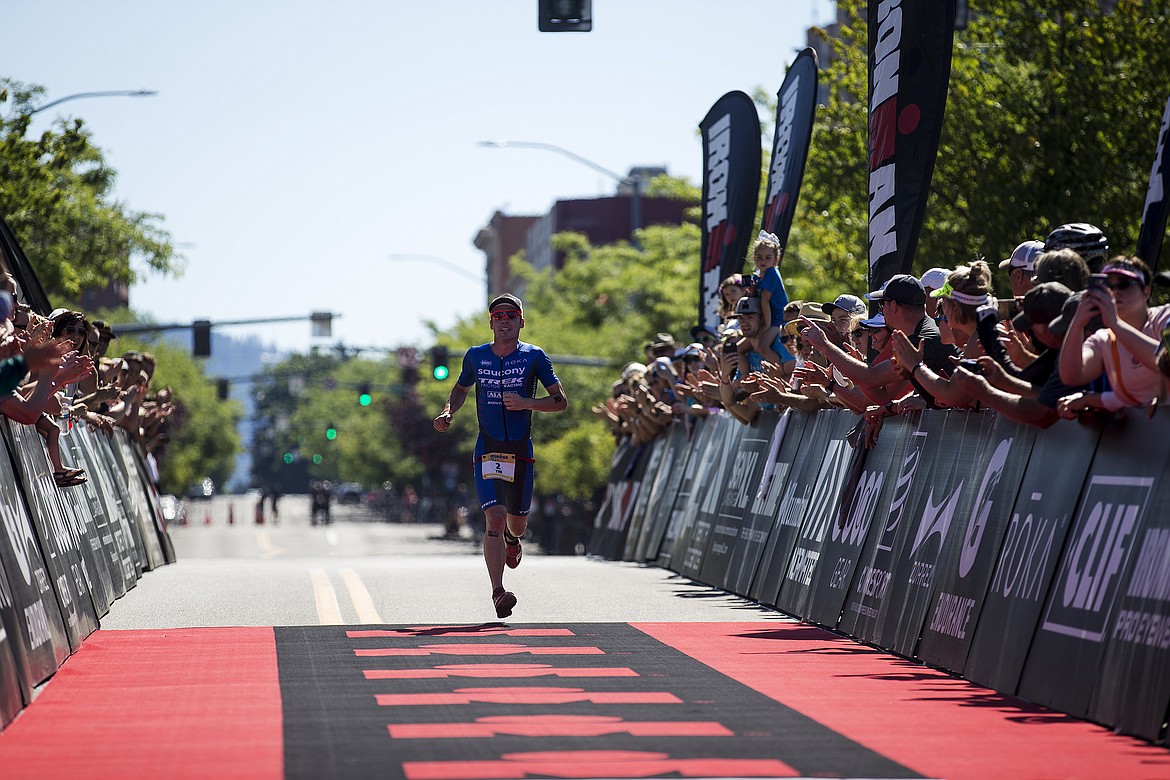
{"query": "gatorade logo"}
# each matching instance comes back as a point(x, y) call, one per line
point(1090, 574)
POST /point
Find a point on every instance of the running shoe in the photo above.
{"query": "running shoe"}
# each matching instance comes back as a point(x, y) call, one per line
point(504, 601)
point(514, 552)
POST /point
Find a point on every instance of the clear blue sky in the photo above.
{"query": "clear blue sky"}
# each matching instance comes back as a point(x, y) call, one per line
point(295, 147)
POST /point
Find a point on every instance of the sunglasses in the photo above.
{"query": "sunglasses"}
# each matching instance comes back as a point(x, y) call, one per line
point(857, 333)
point(1124, 283)
point(73, 330)
point(505, 315)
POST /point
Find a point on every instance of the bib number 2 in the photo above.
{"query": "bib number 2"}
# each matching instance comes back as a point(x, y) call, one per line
point(498, 465)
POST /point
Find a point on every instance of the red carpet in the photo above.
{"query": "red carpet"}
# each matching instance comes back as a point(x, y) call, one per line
point(581, 700)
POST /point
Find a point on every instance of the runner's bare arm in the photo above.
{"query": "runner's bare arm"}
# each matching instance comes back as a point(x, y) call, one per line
point(555, 401)
point(454, 401)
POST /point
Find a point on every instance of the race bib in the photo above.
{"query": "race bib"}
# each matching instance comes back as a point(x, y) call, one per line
point(498, 465)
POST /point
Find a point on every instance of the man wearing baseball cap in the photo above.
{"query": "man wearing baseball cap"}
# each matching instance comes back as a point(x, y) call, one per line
point(504, 373)
point(1019, 266)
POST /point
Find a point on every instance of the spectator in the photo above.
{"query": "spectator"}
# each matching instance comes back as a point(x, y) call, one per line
point(966, 289)
point(768, 284)
point(662, 346)
point(931, 281)
point(842, 311)
point(1124, 350)
point(731, 290)
point(1020, 266)
point(1061, 265)
point(1084, 239)
point(704, 335)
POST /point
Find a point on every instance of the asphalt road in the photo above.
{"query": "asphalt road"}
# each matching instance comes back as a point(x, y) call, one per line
point(361, 570)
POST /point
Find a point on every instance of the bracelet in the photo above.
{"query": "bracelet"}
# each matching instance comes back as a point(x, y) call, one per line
point(829, 388)
point(917, 366)
point(890, 407)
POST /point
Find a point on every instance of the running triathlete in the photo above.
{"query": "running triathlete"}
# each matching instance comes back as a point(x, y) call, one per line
point(504, 373)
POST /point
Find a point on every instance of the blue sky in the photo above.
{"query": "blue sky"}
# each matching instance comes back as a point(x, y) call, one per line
point(295, 148)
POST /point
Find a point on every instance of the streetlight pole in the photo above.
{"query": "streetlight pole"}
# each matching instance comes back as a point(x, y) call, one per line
point(633, 183)
point(439, 261)
point(103, 93)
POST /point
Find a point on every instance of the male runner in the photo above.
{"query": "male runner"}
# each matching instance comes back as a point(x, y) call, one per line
point(504, 373)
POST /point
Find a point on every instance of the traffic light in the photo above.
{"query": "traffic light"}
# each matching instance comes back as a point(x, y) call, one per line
point(565, 15)
point(201, 338)
point(439, 357)
point(330, 431)
point(410, 376)
point(364, 397)
point(222, 387)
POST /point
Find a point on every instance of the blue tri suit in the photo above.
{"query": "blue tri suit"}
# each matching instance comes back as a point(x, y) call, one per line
point(503, 430)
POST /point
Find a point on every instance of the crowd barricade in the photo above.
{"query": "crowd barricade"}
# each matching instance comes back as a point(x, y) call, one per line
point(1034, 562)
point(67, 554)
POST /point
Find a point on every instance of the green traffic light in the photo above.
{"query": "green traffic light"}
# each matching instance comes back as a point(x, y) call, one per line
point(440, 372)
point(330, 433)
point(317, 459)
point(364, 399)
point(288, 457)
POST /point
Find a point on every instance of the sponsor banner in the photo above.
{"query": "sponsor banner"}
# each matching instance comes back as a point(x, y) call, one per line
point(105, 506)
point(78, 513)
point(836, 461)
point(724, 451)
point(799, 485)
point(663, 492)
point(1133, 687)
point(1064, 660)
point(53, 530)
point(704, 459)
point(126, 527)
point(150, 493)
point(126, 470)
point(1028, 554)
point(763, 502)
point(609, 534)
point(650, 473)
point(964, 570)
point(796, 108)
point(731, 189)
point(40, 642)
point(934, 509)
point(866, 493)
point(728, 537)
point(10, 674)
point(910, 46)
point(868, 593)
point(1157, 206)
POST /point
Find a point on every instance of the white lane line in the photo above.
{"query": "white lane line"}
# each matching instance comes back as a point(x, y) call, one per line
point(363, 604)
point(264, 542)
point(328, 610)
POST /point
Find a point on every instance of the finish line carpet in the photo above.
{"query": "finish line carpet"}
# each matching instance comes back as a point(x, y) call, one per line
point(573, 701)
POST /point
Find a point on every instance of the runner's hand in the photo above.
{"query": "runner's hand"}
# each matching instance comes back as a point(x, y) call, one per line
point(443, 422)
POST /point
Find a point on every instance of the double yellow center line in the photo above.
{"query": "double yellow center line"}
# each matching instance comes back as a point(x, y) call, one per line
point(325, 597)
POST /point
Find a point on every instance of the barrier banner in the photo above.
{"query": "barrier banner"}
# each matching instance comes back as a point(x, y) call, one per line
point(802, 480)
point(739, 490)
point(1157, 206)
point(608, 528)
point(653, 459)
point(105, 506)
point(867, 490)
point(1065, 657)
point(676, 451)
point(910, 46)
point(126, 469)
point(106, 465)
point(765, 512)
point(835, 462)
point(796, 109)
point(62, 556)
point(724, 449)
point(868, 595)
point(1133, 687)
point(10, 692)
point(964, 568)
point(85, 530)
point(150, 493)
point(40, 641)
point(731, 189)
point(764, 498)
point(1028, 555)
point(682, 513)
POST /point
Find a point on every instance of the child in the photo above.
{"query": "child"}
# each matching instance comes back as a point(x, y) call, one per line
point(768, 284)
point(731, 290)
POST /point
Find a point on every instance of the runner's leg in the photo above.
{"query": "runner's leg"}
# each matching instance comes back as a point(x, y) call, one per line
point(493, 544)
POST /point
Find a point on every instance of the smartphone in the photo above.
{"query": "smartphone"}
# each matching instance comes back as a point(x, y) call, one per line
point(1007, 308)
point(971, 365)
point(1098, 282)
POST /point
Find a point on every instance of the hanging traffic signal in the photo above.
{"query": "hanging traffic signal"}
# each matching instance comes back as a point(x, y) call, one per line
point(331, 432)
point(565, 15)
point(364, 397)
point(201, 338)
point(222, 389)
point(439, 357)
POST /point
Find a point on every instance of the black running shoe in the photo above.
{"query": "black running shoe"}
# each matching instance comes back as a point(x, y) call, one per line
point(504, 601)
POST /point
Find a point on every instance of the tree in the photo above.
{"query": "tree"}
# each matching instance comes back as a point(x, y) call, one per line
point(57, 196)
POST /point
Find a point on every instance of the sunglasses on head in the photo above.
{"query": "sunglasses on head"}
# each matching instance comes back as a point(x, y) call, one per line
point(505, 315)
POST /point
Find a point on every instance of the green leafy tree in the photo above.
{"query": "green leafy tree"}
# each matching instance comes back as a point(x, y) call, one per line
point(57, 195)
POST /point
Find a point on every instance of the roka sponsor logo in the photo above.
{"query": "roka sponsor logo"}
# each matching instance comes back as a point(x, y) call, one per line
point(885, 122)
point(1090, 573)
point(778, 199)
point(982, 508)
point(1026, 550)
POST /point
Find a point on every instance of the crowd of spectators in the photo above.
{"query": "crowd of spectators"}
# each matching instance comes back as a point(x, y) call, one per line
point(1074, 334)
point(54, 371)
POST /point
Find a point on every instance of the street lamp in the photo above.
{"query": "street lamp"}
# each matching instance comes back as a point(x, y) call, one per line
point(633, 183)
point(103, 93)
point(439, 261)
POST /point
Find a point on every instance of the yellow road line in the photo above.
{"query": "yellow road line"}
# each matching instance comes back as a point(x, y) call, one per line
point(363, 604)
point(328, 610)
point(264, 542)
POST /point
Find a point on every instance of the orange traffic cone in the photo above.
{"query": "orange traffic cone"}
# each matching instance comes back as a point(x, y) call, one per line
point(207, 518)
point(231, 514)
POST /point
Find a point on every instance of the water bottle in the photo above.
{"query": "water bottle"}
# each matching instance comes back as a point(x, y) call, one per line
point(65, 421)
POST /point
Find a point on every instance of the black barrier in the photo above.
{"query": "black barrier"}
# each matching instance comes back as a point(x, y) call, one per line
point(682, 511)
point(1066, 653)
point(98, 578)
point(609, 529)
point(649, 475)
point(820, 510)
point(11, 699)
point(708, 496)
point(53, 532)
point(126, 473)
point(739, 489)
point(671, 469)
point(114, 489)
